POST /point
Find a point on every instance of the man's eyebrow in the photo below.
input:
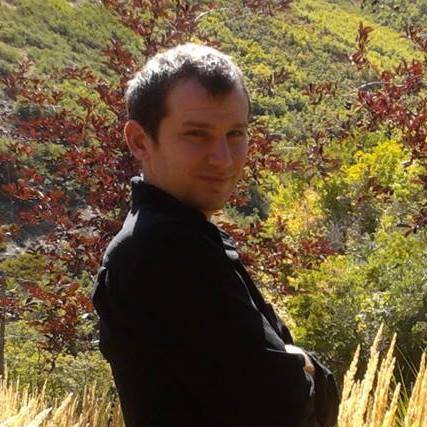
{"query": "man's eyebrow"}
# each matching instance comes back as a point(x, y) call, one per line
point(197, 124)
point(204, 125)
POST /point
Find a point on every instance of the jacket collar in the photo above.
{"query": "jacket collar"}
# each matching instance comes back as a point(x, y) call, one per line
point(145, 194)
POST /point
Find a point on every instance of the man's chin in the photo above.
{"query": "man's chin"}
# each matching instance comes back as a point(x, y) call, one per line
point(212, 207)
point(211, 201)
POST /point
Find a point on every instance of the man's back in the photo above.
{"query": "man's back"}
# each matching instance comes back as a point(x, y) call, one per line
point(189, 337)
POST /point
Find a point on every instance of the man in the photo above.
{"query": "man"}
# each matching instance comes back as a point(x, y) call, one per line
point(190, 340)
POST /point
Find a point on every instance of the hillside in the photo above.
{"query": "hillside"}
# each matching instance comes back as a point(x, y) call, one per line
point(311, 42)
point(56, 34)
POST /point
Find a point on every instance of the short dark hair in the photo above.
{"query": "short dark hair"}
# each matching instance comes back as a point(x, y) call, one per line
point(147, 91)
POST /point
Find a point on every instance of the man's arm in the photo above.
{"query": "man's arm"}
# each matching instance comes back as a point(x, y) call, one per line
point(326, 393)
point(326, 390)
point(176, 301)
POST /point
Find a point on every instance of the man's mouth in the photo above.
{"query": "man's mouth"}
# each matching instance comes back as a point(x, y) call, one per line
point(217, 179)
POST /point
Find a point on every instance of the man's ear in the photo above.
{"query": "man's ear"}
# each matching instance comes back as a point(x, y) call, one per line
point(137, 140)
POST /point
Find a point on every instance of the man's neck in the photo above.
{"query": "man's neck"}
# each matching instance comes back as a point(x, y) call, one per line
point(208, 215)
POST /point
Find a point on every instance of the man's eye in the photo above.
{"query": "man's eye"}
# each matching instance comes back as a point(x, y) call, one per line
point(236, 134)
point(197, 133)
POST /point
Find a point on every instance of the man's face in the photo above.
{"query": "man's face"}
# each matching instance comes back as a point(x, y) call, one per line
point(202, 146)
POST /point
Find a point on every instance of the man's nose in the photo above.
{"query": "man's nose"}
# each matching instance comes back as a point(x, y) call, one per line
point(220, 154)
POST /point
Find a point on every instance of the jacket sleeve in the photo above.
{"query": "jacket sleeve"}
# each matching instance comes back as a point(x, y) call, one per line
point(326, 393)
point(284, 331)
point(326, 390)
point(171, 297)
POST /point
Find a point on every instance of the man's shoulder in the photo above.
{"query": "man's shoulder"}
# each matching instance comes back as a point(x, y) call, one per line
point(150, 231)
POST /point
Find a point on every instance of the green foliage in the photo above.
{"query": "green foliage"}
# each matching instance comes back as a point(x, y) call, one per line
point(396, 269)
point(386, 47)
point(380, 281)
point(9, 55)
point(398, 13)
point(372, 181)
point(24, 266)
point(4, 143)
point(33, 366)
point(325, 309)
point(55, 33)
point(385, 164)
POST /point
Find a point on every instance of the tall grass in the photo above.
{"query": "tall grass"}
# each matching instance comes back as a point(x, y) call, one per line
point(20, 407)
point(373, 401)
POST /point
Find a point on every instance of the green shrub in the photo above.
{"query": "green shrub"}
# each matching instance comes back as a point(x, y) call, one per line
point(26, 361)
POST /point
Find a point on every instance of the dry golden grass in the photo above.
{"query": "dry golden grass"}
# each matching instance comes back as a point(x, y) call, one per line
point(369, 402)
point(373, 402)
point(416, 415)
point(21, 408)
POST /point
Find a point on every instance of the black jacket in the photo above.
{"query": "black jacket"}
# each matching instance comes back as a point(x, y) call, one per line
point(189, 337)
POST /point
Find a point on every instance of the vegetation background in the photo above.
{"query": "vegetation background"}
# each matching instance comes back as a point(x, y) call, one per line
point(336, 211)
